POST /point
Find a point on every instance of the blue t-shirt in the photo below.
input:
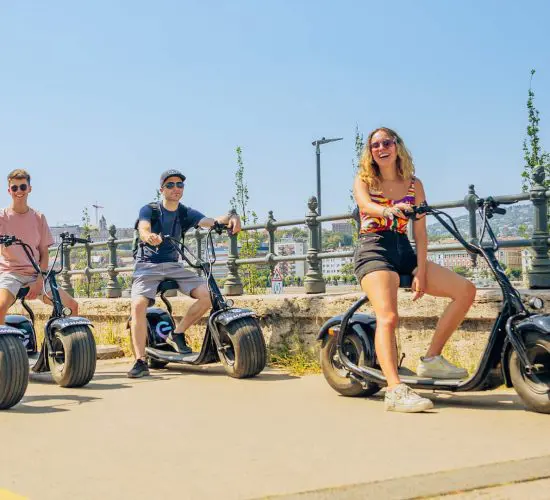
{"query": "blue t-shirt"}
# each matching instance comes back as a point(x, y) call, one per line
point(167, 223)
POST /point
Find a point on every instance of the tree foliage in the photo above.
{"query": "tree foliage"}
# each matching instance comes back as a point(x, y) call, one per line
point(249, 240)
point(533, 152)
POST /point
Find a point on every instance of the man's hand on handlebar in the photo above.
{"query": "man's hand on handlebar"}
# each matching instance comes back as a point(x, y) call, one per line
point(153, 239)
point(234, 224)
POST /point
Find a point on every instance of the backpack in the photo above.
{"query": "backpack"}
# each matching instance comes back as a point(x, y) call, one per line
point(155, 217)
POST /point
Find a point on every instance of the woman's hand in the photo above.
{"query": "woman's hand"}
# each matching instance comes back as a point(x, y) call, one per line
point(419, 285)
point(398, 210)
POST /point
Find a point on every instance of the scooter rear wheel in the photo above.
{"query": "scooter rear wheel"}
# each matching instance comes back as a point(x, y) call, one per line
point(336, 374)
point(244, 352)
point(533, 389)
point(74, 360)
point(14, 371)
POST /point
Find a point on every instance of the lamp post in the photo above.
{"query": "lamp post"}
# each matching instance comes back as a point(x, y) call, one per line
point(318, 143)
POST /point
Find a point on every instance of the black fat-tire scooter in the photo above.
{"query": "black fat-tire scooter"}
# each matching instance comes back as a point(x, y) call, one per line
point(233, 335)
point(517, 351)
point(69, 349)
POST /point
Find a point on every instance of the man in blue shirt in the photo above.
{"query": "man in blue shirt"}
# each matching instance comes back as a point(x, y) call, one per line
point(162, 262)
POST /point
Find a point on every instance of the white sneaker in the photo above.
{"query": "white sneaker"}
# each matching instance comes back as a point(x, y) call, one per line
point(439, 367)
point(402, 398)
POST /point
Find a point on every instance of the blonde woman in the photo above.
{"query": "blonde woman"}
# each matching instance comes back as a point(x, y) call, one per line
point(385, 189)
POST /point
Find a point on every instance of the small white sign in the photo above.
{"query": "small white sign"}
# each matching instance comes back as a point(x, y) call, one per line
point(277, 281)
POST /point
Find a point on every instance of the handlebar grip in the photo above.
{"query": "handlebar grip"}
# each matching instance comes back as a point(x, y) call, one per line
point(500, 211)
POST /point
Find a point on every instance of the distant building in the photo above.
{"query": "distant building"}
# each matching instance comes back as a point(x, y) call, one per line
point(333, 266)
point(291, 247)
point(343, 227)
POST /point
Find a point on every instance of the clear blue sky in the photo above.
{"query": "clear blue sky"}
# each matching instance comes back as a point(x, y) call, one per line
point(98, 97)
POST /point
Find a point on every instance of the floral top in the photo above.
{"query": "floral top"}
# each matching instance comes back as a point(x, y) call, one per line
point(371, 224)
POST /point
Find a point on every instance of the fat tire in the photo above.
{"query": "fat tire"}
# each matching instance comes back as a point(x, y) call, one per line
point(248, 347)
point(534, 400)
point(80, 357)
point(333, 374)
point(14, 371)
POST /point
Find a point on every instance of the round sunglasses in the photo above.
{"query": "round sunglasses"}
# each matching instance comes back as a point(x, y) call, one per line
point(386, 143)
point(15, 187)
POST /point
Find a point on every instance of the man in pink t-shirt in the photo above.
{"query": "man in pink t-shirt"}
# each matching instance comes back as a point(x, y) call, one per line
point(30, 226)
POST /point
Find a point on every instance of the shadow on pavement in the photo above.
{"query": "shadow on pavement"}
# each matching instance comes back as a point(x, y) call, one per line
point(63, 400)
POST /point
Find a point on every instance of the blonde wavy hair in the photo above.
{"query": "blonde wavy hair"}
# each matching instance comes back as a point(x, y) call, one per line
point(369, 172)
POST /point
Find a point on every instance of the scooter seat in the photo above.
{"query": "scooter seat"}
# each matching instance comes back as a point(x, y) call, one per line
point(405, 280)
point(166, 285)
point(22, 293)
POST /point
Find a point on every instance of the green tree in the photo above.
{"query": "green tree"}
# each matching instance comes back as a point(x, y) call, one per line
point(533, 152)
point(358, 150)
point(249, 240)
point(522, 231)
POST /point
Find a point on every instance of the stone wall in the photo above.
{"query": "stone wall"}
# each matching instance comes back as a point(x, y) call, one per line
point(294, 320)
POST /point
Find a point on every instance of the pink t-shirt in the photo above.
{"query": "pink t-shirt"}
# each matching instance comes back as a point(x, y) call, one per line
point(32, 228)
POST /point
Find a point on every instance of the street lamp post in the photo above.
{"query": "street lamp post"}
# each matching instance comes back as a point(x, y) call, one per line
point(318, 143)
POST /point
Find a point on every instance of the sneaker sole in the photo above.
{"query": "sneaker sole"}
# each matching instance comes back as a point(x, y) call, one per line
point(412, 409)
point(142, 374)
point(443, 376)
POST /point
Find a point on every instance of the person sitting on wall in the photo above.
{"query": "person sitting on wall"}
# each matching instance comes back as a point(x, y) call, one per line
point(385, 189)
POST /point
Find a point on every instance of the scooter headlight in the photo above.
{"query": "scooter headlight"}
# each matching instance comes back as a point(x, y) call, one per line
point(536, 303)
point(67, 311)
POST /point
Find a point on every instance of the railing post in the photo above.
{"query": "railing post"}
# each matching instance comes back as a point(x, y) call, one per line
point(270, 228)
point(470, 204)
point(198, 238)
point(313, 282)
point(88, 268)
point(539, 275)
point(65, 277)
point(233, 284)
point(113, 288)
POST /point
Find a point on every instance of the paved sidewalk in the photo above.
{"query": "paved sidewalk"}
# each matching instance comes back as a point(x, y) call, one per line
point(196, 433)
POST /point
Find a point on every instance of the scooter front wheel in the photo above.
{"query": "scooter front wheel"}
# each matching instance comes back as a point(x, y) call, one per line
point(74, 358)
point(534, 388)
point(14, 371)
point(335, 373)
point(244, 352)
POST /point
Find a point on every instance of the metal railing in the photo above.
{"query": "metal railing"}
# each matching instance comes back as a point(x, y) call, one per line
point(538, 275)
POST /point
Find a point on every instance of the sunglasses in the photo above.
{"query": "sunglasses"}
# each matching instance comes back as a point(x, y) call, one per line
point(386, 143)
point(14, 187)
point(172, 185)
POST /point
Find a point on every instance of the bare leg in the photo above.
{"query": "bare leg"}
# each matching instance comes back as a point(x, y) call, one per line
point(197, 310)
point(138, 326)
point(66, 300)
point(442, 282)
point(6, 301)
point(381, 288)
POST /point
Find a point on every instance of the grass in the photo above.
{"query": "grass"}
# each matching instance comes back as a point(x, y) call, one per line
point(294, 356)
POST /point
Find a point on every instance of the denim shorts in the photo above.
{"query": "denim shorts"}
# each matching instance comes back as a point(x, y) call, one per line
point(384, 251)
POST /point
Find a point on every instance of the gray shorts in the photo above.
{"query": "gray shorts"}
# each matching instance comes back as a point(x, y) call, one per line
point(147, 276)
point(13, 282)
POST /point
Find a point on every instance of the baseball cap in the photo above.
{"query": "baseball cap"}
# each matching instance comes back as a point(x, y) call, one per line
point(171, 173)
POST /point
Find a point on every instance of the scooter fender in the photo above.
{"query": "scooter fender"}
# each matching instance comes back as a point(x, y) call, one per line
point(230, 315)
point(22, 323)
point(9, 330)
point(539, 323)
point(363, 325)
point(60, 324)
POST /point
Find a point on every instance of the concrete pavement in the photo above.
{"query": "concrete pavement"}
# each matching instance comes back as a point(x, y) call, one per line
point(196, 433)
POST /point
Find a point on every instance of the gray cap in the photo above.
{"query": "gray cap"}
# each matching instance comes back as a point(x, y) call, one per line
point(171, 173)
